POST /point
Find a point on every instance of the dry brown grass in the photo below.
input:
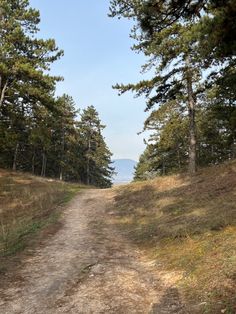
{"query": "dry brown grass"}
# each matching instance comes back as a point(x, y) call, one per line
point(27, 203)
point(189, 225)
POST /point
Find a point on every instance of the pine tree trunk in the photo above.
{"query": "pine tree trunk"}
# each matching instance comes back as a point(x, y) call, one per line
point(192, 123)
point(44, 165)
point(15, 157)
point(3, 90)
point(61, 175)
point(33, 163)
point(62, 154)
point(178, 156)
point(88, 172)
point(233, 149)
point(88, 161)
point(212, 152)
point(163, 168)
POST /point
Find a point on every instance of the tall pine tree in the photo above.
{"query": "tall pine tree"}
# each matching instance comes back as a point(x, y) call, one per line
point(97, 157)
point(181, 40)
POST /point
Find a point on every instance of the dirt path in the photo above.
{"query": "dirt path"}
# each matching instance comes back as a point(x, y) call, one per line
point(89, 267)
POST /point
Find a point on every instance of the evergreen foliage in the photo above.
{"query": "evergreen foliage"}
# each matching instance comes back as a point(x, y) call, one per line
point(191, 48)
point(40, 133)
point(97, 157)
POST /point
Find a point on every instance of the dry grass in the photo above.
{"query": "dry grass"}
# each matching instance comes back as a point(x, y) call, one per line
point(189, 225)
point(27, 204)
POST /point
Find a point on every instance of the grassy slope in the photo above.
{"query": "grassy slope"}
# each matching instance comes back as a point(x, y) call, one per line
point(27, 204)
point(188, 225)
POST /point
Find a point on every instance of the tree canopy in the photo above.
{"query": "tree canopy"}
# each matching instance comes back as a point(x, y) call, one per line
point(190, 48)
point(39, 132)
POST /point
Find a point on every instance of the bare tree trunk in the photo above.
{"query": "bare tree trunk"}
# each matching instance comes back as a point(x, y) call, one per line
point(233, 150)
point(178, 156)
point(192, 123)
point(88, 161)
point(3, 91)
point(88, 172)
point(15, 157)
point(62, 155)
point(163, 167)
point(42, 168)
point(44, 164)
point(33, 163)
point(212, 152)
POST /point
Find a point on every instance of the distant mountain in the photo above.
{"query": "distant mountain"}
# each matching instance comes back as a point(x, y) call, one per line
point(125, 170)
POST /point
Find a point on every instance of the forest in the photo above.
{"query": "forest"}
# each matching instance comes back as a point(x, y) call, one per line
point(40, 132)
point(190, 48)
point(69, 243)
point(190, 96)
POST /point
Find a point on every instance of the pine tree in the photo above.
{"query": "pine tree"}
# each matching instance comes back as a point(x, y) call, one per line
point(145, 168)
point(182, 39)
point(24, 84)
point(66, 127)
point(173, 56)
point(215, 21)
point(97, 157)
point(38, 132)
point(24, 58)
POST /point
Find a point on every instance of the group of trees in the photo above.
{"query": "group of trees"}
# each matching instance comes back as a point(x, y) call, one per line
point(190, 46)
point(40, 132)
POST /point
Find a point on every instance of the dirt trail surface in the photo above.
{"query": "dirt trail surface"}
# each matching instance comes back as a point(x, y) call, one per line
point(89, 266)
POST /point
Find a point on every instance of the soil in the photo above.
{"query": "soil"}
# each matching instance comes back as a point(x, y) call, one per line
point(89, 266)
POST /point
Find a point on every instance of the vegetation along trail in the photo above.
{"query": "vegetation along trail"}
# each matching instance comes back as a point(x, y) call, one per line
point(88, 266)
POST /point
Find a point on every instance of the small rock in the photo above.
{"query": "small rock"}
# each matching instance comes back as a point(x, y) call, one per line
point(98, 269)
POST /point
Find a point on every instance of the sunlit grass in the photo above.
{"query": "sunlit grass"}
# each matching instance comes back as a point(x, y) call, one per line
point(27, 204)
point(188, 225)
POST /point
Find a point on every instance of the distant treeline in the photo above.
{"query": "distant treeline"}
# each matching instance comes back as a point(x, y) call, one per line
point(191, 48)
point(41, 133)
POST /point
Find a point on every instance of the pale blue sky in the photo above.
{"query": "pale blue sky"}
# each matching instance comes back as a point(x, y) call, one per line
point(97, 55)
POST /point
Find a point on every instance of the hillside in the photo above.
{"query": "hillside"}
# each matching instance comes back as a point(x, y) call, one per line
point(28, 204)
point(187, 226)
point(124, 169)
point(160, 246)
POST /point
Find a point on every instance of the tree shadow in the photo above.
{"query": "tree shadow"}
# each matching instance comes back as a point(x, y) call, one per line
point(169, 303)
point(181, 208)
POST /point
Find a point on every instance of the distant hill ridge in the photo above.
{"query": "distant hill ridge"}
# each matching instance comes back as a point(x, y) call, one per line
point(124, 169)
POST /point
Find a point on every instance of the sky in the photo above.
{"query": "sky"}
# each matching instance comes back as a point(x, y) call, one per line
point(97, 55)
